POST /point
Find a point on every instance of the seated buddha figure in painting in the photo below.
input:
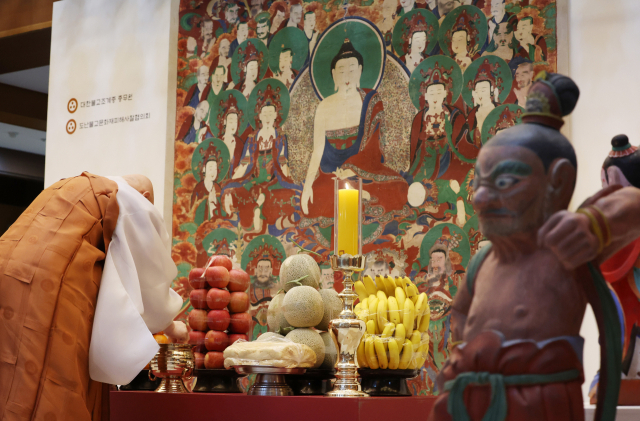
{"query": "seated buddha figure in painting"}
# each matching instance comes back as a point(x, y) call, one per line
point(348, 127)
point(516, 318)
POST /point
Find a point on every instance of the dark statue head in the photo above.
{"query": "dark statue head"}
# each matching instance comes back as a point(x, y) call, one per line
point(526, 173)
point(622, 165)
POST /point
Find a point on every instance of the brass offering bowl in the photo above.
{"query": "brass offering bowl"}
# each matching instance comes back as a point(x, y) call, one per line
point(173, 363)
point(270, 381)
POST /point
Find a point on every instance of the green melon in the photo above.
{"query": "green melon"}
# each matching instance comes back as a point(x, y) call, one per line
point(332, 306)
point(299, 265)
point(275, 315)
point(302, 307)
point(312, 339)
point(330, 351)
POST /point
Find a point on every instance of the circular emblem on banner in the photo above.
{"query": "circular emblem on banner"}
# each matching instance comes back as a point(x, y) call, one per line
point(72, 106)
point(71, 126)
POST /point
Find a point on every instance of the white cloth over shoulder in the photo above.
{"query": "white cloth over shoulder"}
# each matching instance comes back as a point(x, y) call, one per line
point(135, 296)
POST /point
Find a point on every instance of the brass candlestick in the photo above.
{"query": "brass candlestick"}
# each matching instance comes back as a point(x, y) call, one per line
point(347, 330)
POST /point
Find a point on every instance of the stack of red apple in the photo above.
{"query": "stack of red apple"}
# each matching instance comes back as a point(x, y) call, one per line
point(219, 316)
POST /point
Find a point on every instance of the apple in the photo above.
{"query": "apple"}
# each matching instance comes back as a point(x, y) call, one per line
point(223, 261)
point(217, 276)
point(240, 323)
point(198, 320)
point(218, 320)
point(198, 298)
point(199, 359)
point(196, 280)
point(239, 302)
point(214, 359)
point(238, 280)
point(217, 299)
point(236, 336)
point(197, 338)
point(216, 341)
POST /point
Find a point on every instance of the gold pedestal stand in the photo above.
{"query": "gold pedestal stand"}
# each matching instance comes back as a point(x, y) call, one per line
point(347, 329)
point(173, 363)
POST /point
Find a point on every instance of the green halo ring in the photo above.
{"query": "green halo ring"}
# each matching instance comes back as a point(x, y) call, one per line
point(285, 100)
point(293, 39)
point(464, 248)
point(216, 109)
point(494, 116)
point(219, 234)
point(185, 21)
point(429, 62)
point(196, 158)
point(263, 64)
point(259, 242)
point(480, 25)
point(366, 39)
point(400, 28)
point(504, 72)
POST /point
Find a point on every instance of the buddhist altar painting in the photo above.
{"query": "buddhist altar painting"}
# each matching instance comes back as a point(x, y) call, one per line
point(276, 98)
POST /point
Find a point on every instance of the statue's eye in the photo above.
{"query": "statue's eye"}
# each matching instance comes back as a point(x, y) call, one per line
point(505, 181)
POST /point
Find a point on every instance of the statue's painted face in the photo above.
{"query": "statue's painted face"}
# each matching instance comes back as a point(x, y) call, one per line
point(482, 93)
point(510, 191)
point(243, 32)
point(437, 262)
point(524, 30)
point(203, 75)
point(295, 15)
point(347, 73)
point(501, 35)
point(262, 30)
point(497, 8)
point(252, 70)
point(211, 171)
point(268, 116)
point(435, 95)
point(224, 48)
point(459, 42)
point(231, 125)
point(614, 176)
point(285, 61)
point(418, 42)
point(309, 22)
point(524, 76)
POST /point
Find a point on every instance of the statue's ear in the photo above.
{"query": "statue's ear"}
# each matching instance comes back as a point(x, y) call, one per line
point(562, 181)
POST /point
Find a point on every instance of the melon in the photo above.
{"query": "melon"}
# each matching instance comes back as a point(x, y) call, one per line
point(332, 306)
point(297, 266)
point(275, 315)
point(330, 351)
point(312, 339)
point(302, 307)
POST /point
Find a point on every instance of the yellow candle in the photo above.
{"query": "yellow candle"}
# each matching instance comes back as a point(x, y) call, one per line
point(348, 222)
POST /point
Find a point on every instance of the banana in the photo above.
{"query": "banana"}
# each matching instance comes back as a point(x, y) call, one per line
point(369, 285)
point(420, 305)
point(405, 285)
point(408, 316)
point(407, 353)
point(400, 297)
point(371, 327)
point(382, 317)
point(414, 288)
point(394, 313)
point(361, 290)
point(389, 285)
point(361, 355)
point(381, 353)
point(388, 330)
point(380, 284)
point(381, 295)
point(398, 282)
point(400, 334)
point(424, 322)
point(357, 309)
point(416, 340)
point(394, 355)
point(370, 352)
point(373, 307)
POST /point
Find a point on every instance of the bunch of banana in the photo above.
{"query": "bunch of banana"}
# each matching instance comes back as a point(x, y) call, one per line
point(397, 318)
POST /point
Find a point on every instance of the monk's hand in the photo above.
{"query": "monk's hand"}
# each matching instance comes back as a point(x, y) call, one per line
point(569, 236)
point(178, 332)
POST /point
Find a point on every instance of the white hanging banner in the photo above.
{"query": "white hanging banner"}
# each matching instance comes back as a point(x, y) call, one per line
point(112, 91)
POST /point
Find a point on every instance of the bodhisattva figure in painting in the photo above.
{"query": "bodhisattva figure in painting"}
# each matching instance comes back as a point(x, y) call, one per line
point(267, 191)
point(228, 124)
point(463, 41)
point(286, 74)
point(415, 41)
point(346, 141)
point(250, 69)
point(208, 186)
point(485, 88)
point(518, 355)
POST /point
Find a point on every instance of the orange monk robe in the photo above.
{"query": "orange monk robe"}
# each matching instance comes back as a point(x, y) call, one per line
point(50, 271)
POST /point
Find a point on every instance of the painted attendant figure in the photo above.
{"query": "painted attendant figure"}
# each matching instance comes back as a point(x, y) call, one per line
point(518, 355)
point(199, 91)
point(415, 42)
point(463, 40)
